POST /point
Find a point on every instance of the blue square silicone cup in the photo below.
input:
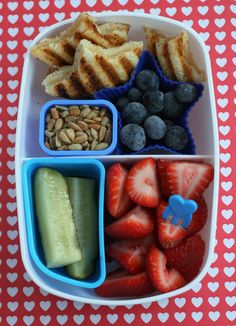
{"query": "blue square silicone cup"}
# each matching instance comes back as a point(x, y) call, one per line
point(67, 102)
point(81, 167)
point(148, 61)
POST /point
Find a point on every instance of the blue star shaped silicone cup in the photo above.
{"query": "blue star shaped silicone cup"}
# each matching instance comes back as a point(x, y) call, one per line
point(148, 61)
point(180, 210)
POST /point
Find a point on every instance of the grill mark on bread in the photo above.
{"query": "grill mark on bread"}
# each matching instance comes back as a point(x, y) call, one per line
point(126, 64)
point(70, 50)
point(186, 68)
point(168, 61)
point(94, 82)
point(55, 57)
point(77, 86)
point(114, 39)
point(61, 91)
point(108, 70)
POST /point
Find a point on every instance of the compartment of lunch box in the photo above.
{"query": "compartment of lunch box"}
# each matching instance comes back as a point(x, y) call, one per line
point(92, 169)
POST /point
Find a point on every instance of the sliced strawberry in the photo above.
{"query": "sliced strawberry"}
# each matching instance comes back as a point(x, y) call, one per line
point(188, 179)
point(187, 257)
point(141, 183)
point(122, 284)
point(161, 172)
point(164, 280)
point(137, 223)
point(130, 254)
point(117, 199)
point(169, 235)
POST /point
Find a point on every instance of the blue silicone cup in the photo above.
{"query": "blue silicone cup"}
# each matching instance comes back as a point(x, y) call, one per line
point(100, 104)
point(148, 61)
point(80, 167)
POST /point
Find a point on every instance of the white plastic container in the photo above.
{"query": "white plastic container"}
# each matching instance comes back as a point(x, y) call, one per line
point(202, 123)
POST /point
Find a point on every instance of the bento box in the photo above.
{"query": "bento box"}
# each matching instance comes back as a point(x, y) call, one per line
point(202, 122)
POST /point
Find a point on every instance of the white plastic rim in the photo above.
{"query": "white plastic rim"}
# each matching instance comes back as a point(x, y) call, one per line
point(203, 124)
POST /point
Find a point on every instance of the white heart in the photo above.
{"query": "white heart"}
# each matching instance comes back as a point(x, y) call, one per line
point(12, 84)
point(11, 262)
point(12, 18)
point(231, 315)
point(129, 318)
point(62, 319)
point(78, 319)
point(112, 318)
point(28, 30)
point(29, 305)
point(12, 70)
point(225, 143)
point(95, 319)
point(222, 75)
point(62, 305)
point(213, 286)
point(223, 116)
point(228, 228)
point(231, 301)
point(233, 33)
point(230, 286)
point(78, 305)
point(139, 2)
point(44, 4)
point(45, 319)
point(233, 21)
point(28, 4)
point(28, 17)
point(197, 302)
point(197, 316)
point(12, 277)
point(220, 35)
point(12, 44)
point(188, 22)
point(11, 179)
point(12, 248)
point(229, 256)
point(95, 306)
point(203, 23)
point(224, 130)
point(197, 287)
point(28, 320)
point(75, 3)
point(12, 5)
point(213, 271)
point(163, 317)
point(11, 220)
point(163, 303)
point(214, 301)
point(11, 320)
point(233, 9)
point(180, 316)
point(11, 206)
point(43, 292)
point(13, 31)
point(43, 17)
point(228, 242)
point(28, 291)
point(12, 306)
point(171, 11)
point(11, 165)
point(220, 48)
point(186, 10)
point(219, 9)
point(12, 110)
point(203, 9)
point(27, 43)
point(59, 16)
point(229, 271)
point(180, 302)
point(59, 3)
point(12, 291)
point(91, 3)
point(205, 36)
point(226, 171)
point(107, 2)
point(226, 185)
point(214, 315)
point(227, 200)
point(12, 97)
point(222, 89)
point(45, 305)
point(221, 62)
point(220, 22)
point(123, 2)
point(155, 11)
point(12, 57)
point(146, 317)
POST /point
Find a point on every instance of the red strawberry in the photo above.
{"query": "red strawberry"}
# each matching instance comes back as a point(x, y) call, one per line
point(164, 280)
point(171, 235)
point(122, 284)
point(130, 254)
point(141, 183)
point(161, 172)
point(137, 223)
point(187, 257)
point(188, 179)
point(117, 199)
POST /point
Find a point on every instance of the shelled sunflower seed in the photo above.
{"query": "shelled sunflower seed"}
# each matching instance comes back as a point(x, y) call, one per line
point(78, 128)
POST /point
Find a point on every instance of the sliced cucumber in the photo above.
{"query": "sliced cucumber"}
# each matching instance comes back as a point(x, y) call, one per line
point(55, 219)
point(83, 197)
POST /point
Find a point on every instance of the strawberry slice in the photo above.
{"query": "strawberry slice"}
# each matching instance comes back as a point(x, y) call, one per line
point(130, 254)
point(161, 172)
point(164, 280)
point(117, 199)
point(122, 284)
point(141, 183)
point(171, 235)
point(137, 223)
point(187, 257)
point(188, 179)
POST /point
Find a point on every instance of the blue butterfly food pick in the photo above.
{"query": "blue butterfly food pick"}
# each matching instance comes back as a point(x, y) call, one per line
point(180, 210)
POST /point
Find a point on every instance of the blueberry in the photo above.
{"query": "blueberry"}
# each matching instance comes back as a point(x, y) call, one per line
point(172, 107)
point(134, 112)
point(176, 138)
point(155, 127)
point(147, 80)
point(168, 124)
point(121, 103)
point(134, 94)
point(133, 136)
point(186, 93)
point(153, 101)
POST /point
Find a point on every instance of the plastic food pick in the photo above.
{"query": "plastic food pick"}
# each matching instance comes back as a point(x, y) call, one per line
point(180, 210)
